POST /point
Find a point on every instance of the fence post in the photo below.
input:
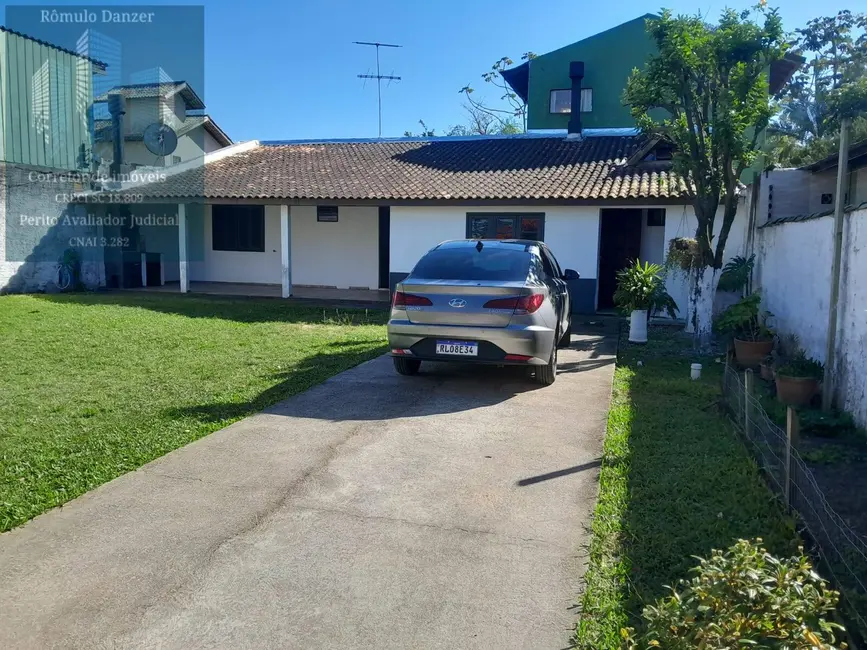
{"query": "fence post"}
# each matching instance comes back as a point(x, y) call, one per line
point(791, 439)
point(748, 393)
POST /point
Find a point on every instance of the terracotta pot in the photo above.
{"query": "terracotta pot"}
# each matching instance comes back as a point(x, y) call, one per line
point(796, 391)
point(766, 370)
point(749, 354)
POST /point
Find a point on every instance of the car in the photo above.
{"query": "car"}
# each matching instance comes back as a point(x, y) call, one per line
point(488, 301)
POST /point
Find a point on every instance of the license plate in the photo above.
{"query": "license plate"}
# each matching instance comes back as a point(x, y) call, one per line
point(458, 348)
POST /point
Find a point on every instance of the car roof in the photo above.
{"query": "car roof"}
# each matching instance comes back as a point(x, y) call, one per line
point(519, 244)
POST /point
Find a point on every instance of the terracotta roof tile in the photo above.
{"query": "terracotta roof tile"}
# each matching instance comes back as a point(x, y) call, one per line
point(532, 168)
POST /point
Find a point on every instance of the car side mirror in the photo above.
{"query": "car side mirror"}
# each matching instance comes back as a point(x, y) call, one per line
point(570, 274)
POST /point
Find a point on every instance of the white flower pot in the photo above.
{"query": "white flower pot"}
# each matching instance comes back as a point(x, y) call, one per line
point(638, 326)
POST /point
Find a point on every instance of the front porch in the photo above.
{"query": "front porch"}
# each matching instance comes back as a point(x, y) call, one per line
point(250, 290)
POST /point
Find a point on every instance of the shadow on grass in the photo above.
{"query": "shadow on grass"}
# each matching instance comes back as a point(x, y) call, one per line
point(676, 482)
point(239, 309)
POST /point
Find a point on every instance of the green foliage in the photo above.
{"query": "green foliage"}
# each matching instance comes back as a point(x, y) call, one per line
point(683, 253)
point(799, 365)
point(744, 597)
point(826, 424)
point(711, 82)
point(832, 85)
point(641, 286)
point(737, 273)
point(744, 320)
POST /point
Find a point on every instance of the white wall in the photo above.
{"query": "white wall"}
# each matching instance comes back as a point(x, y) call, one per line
point(653, 244)
point(342, 254)
point(794, 274)
point(237, 266)
point(572, 232)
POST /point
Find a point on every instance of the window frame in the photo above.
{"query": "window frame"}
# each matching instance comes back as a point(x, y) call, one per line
point(256, 212)
point(492, 216)
point(569, 90)
point(327, 218)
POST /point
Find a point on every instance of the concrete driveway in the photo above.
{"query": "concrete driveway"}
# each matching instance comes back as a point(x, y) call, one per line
point(447, 510)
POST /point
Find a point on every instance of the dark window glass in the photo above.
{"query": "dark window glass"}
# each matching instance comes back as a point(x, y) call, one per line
point(531, 228)
point(558, 273)
point(656, 217)
point(238, 228)
point(546, 265)
point(506, 226)
point(478, 228)
point(489, 264)
point(327, 213)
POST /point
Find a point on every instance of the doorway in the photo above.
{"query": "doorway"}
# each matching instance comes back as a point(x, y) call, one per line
point(619, 244)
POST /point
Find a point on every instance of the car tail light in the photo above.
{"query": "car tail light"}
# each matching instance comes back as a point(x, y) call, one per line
point(520, 304)
point(517, 357)
point(402, 299)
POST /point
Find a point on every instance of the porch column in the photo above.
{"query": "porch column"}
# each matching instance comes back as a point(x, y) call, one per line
point(182, 247)
point(285, 252)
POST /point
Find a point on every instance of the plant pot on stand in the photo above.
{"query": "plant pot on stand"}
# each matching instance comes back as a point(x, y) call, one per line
point(798, 380)
point(750, 354)
point(638, 326)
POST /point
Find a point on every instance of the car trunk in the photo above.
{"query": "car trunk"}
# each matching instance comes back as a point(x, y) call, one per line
point(461, 302)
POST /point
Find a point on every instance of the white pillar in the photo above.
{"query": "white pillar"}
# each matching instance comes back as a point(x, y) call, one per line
point(285, 252)
point(182, 247)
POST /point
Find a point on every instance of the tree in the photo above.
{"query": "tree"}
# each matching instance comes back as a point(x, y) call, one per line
point(514, 113)
point(711, 81)
point(478, 123)
point(824, 91)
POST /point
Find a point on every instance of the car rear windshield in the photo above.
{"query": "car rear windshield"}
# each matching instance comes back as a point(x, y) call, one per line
point(489, 264)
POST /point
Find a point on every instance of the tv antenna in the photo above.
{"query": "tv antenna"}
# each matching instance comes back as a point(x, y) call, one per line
point(379, 77)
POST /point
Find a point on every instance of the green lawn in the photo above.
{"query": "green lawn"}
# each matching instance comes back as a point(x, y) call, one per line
point(676, 482)
point(95, 385)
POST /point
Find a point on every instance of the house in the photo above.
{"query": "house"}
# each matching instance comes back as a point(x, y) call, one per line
point(810, 190)
point(357, 214)
point(173, 103)
point(45, 101)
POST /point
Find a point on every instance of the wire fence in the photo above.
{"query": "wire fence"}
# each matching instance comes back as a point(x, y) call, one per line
point(842, 551)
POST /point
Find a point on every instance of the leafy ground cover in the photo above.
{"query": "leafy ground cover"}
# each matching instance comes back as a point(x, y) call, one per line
point(95, 385)
point(676, 482)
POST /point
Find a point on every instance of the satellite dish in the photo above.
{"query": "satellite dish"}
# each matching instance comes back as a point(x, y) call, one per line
point(160, 139)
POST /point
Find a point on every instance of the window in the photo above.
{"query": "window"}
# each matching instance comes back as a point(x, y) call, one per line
point(505, 226)
point(176, 160)
point(326, 213)
point(561, 100)
point(467, 263)
point(238, 228)
point(655, 217)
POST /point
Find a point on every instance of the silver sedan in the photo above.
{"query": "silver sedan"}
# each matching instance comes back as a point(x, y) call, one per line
point(503, 302)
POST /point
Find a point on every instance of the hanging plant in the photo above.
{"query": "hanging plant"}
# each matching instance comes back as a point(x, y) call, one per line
point(682, 253)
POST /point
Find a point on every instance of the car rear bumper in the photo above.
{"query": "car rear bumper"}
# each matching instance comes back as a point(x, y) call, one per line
point(419, 341)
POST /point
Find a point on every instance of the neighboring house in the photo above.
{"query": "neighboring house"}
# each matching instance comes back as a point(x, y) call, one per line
point(45, 100)
point(359, 214)
point(592, 73)
point(810, 190)
point(173, 103)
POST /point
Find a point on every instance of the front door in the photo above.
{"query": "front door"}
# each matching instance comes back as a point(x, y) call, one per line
point(619, 244)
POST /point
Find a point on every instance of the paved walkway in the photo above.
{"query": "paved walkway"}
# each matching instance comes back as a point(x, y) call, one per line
point(445, 511)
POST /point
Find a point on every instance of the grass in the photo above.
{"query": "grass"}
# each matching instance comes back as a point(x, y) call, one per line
point(675, 483)
point(95, 385)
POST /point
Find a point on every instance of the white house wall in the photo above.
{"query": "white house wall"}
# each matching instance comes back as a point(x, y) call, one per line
point(794, 274)
point(240, 266)
point(340, 254)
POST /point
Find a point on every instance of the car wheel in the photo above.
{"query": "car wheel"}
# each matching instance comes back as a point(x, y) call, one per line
point(406, 366)
point(546, 374)
point(566, 341)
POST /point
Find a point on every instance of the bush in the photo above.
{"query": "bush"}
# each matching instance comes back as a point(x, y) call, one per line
point(743, 598)
point(744, 320)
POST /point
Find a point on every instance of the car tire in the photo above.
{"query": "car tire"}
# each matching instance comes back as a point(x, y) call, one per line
point(405, 366)
point(566, 341)
point(546, 374)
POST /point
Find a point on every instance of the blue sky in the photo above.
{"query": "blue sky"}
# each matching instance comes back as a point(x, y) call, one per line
point(286, 70)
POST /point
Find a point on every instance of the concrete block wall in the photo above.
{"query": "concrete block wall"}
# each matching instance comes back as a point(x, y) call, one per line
point(37, 224)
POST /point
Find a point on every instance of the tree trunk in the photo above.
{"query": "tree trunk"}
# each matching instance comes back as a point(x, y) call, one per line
point(699, 308)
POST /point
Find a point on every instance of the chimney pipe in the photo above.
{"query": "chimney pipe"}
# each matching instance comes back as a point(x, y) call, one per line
point(117, 109)
point(576, 73)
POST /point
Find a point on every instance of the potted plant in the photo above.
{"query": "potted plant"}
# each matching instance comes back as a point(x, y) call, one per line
point(640, 290)
point(798, 379)
point(743, 321)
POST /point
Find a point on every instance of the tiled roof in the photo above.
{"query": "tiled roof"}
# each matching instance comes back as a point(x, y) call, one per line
point(102, 129)
point(481, 168)
point(162, 89)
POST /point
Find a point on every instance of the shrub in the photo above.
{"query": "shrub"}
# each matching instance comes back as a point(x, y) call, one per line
point(743, 598)
point(798, 365)
point(744, 321)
